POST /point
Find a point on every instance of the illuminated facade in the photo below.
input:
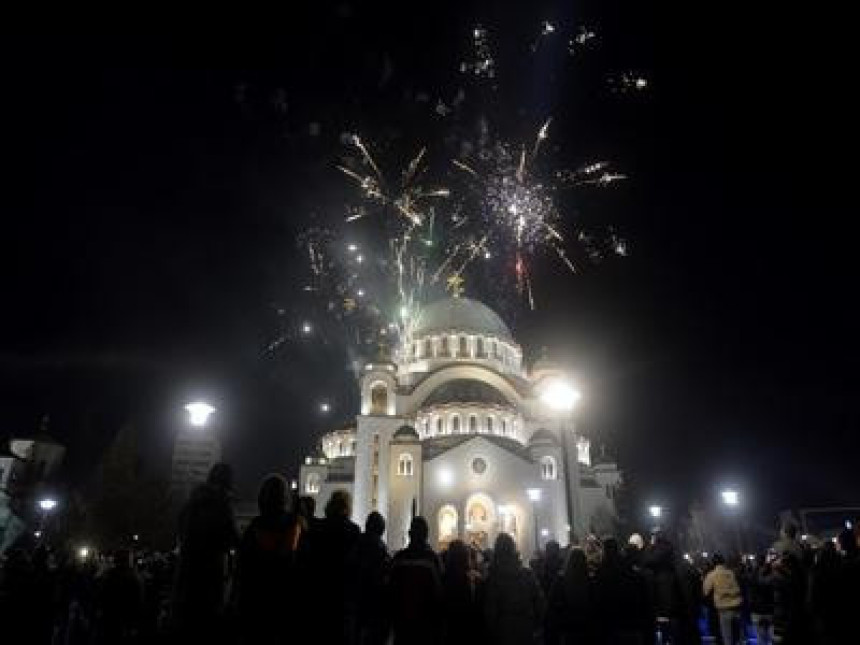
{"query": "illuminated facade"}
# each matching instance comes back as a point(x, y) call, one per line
point(454, 429)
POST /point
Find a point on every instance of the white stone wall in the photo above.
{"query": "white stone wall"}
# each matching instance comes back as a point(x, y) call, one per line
point(402, 490)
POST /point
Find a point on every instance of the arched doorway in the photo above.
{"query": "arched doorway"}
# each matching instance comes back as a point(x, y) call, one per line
point(480, 520)
point(447, 519)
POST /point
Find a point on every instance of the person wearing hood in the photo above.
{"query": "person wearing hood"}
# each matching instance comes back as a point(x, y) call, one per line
point(722, 583)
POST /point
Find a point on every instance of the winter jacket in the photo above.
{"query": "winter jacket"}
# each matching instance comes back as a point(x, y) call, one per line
point(721, 581)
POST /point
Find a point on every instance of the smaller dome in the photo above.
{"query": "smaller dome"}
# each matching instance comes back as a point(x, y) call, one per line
point(543, 437)
point(406, 433)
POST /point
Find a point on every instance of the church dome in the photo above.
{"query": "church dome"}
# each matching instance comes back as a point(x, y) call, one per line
point(465, 391)
point(461, 315)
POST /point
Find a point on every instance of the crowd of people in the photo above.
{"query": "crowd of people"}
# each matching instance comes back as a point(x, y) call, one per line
point(292, 577)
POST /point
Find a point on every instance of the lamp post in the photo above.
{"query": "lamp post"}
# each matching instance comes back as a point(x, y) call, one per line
point(561, 398)
point(656, 512)
point(46, 505)
point(731, 499)
point(534, 497)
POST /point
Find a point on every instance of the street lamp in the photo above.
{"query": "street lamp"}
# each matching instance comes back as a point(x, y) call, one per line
point(731, 497)
point(48, 504)
point(561, 397)
point(655, 511)
point(534, 495)
point(199, 413)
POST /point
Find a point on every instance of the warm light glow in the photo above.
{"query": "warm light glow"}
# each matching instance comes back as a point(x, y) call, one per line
point(199, 413)
point(47, 504)
point(544, 532)
point(655, 511)
point(559, 395)
point(84, 553)
point(325, 407)
point(534, 494)
point(135, 537)
point(37, 534)
point(730, 497)
point(352, 248)
point(307, 328)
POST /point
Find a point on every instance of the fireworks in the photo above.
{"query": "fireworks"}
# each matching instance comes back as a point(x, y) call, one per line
point(503, 204)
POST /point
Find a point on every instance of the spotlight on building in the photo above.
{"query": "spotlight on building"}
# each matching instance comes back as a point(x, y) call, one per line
point(47, 504)
point(559, 395)
point(730, 497)
point(534, 494)
point(655, 511)
point(199, 413)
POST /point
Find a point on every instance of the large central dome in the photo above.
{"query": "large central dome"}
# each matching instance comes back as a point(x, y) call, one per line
point(461, 315)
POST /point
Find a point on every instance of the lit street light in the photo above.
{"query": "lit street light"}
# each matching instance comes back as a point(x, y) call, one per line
point(561, 397)
point(307, 328)
point(47, 504)
point(325, 408)
point(199, 413)
point(655, 511)
point(730, 497)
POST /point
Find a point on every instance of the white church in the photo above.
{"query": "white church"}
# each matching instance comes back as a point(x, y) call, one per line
point(457, 430)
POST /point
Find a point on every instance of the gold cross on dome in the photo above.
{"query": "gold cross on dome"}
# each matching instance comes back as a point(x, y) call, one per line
point(455, 285)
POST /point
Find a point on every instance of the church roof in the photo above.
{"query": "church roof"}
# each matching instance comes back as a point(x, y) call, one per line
point(461, 315)
point(432, 448)
point(465, 391)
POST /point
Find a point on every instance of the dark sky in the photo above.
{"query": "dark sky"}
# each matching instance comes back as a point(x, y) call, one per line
point(154, 184)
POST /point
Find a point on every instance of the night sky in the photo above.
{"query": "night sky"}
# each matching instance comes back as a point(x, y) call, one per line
point(154, 184)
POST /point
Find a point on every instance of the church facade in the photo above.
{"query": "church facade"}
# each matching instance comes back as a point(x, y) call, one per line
point(456, 429)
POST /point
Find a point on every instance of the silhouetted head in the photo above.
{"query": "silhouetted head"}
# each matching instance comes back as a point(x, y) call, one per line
point(339, 505)
point(374, 524)
point(457, 558)
point(611, 550)
point(505, 552)
point(272, 498)
point(221, 476)
point(718, 559)
point(553, 550)
point(418, 530)
point(122, 559)
point(307, 506)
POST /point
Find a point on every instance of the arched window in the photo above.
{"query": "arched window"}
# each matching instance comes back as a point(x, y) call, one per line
point(548, 468)
point(352, 447)
point(416, 348)
point(312, 483)
point(443, 346)
point(455, 424)
point(489, 425)
point(464, 346)
point(473, 423)
point(379, 398)
point(428, 347)
point(504, 427)
point(339, 452)
point(404, 465)
point(479, 347)
point(438, 426)
point(424, 427)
